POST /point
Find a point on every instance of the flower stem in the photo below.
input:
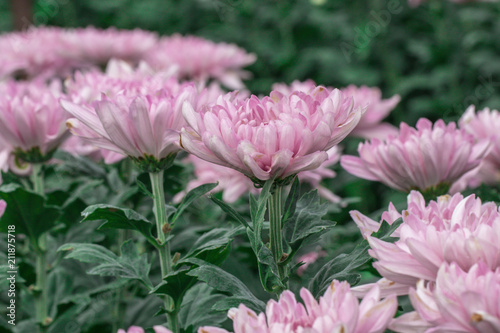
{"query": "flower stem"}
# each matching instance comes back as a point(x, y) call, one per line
point(41, 258)
point(163, 229)
point(275, 212)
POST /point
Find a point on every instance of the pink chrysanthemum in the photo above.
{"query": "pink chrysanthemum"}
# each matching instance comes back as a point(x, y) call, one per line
point(200, 59)
point(277, 136)
point(31, 120)
point(21, 53)
point(145, 128)
point(338, 310)
point(451, 229)
point(424, 158)
point(460, 301)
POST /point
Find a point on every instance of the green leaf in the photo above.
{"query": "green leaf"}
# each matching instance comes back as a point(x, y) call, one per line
point(229, 210)
point(343, 267)
point(258, 207)
point(60, 286)
point(234, 301)
point(196, 309)
point(120, 218)
point(216, 238)
point(175, 285)
point(28, 211)
point(221, 280)
point(80, 165)
point(214, 246)
point(130, 265)
point(143, 188)
point(307, 219)
point(268, 269)
point(190, 197)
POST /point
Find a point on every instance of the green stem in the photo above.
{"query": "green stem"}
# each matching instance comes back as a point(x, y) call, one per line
point(163, 229)
point(118, 304)
point(37, 178)
point(275, 212)
point(41, 259)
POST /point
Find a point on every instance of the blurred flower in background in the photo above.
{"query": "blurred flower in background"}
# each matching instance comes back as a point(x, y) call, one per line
point(200, 59)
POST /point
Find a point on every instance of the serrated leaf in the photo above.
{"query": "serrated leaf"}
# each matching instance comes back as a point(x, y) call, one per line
point(344, 265)
point(28, 211)
point(190, 197)
point(307, 219)
point(268, 269)
point(291, 201)
point(120, 218)
point(234, 301)
point(221, 280)
point(80, 164)
point(258, 207)
point(196, 308)
point(214, 239)
point(175, 285)
point(130, 265)
point(230, 211)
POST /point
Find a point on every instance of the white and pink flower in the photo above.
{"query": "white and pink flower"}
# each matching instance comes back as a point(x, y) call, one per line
point(424, 158)
point(277, 136)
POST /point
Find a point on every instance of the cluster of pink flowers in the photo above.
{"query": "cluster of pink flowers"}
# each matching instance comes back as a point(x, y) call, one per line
point(451, 229)
point(338, 310)
point(424, 158)
point(200, 59)
point(66, 50)
point(273, 137)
